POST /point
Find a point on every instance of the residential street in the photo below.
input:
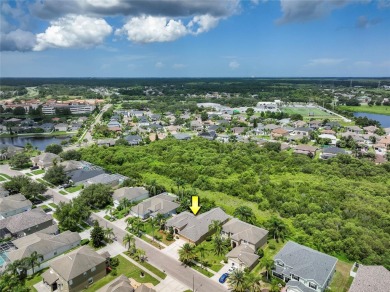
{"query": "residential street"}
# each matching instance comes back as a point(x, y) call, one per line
point(171, 266)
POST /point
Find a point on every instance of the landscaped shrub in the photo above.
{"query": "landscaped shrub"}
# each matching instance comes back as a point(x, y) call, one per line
point(84, 241)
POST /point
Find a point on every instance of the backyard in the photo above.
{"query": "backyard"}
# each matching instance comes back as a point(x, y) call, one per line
point(126, 268)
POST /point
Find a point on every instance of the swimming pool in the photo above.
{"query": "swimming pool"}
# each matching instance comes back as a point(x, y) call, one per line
point(3, 258)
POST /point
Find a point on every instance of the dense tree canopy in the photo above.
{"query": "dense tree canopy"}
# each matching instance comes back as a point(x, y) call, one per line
point(54, 148)
point(339, 206)
point(56, 175)
point(20, 160)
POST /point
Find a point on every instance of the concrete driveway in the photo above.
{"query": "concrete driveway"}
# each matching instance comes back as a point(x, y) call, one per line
point(42, 287)
point(173, 249)
point(114, 249)
point(222, 271)
point(169, 284)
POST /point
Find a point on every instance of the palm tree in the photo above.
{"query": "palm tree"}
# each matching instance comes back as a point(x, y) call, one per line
point(124, 203)
point(137, 226)
point(219, 245)
point(153, 223)
point(161, 220)
point(275, 286)
point(109, 234)
point(236, 280)
point(245, 214)
point(277, 228)
point(141, 254)
point(216, 227)
point(110, 211)
point(152, 187)
point(128, 240)
point(253, 282)
point(187, 253)
point(35, 259)
point(268, 264)
point(202, 252)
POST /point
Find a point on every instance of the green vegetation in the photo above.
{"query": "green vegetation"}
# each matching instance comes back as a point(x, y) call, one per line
point(315, 113)
point(74, 189)
point(38, 171)
point(37, 277)
point(24, 185)
point(56, 175)
point(148, 266)
point(5, 175)
point(337, 206)
point(53, 205)
point(341, 279)
point(126, 268)
point(62, 192)
point(375, 109)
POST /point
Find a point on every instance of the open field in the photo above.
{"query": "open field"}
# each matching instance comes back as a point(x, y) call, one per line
point(307, 112)
point(375, 109)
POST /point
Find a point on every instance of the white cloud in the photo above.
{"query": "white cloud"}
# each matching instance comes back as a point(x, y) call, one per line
point(325, 62)
point(202, 23)
point(363, 63)
point(234, 65)
point(148, 29)
point(17, 40)
point(73, 31)
point(159, 65)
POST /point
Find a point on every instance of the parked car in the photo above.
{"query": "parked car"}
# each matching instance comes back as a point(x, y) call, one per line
point(223, 278)
point(232, 268)
point(34, 167)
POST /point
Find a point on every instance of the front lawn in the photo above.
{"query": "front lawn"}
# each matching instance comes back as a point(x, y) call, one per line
point(62, 192)
point(210, 260)
point(45, 182)
point(341, 279)
point(53, 205)
point(159, 234)
point(203, 271)
point(74, 189)
point(126, 268)
point(5, 175)
point(148, 266)
point(38, 171)
point(29, 174)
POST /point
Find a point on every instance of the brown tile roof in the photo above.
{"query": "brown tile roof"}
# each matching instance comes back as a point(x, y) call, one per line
point(371, 278)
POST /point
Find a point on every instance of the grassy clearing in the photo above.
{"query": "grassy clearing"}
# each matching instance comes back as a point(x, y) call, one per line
point(213, 261)
point(5, 175)
point(38, 171)
point(126, 268)
point(306, 112)
point(74, 189)
point(203, 271)
point(29, 174)
point(341, 279)
point(155, 243)
point(45, 182)
point(62, 192)
point(375, 109)
point(148, 266)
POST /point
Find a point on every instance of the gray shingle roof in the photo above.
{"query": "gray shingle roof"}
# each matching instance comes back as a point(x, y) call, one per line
point(70, 165)
point(162, 203)
point(196, 226)
point(80, 175)
point(305, 262)
point(120, 284)
point(129, 193)
point(76, 263)
point(13, 202)
point(299, 286)
point(42, 243)
point(25, 220)
point(244, 253)
point(244, 231)
point(371, 278)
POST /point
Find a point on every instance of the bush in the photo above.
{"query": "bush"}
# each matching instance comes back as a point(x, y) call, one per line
point(114, 272)
point(157, 237)
point(169, 237)
point(260, 252)
point(84, 241)
point(114, 262)
point(272, 245)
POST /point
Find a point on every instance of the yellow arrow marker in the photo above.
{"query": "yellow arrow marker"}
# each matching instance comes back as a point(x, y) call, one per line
point(195, 204)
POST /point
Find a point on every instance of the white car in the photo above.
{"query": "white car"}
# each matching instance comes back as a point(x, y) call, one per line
point(232, 268)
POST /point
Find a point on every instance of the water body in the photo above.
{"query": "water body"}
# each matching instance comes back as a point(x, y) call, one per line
point(39, 142)
point(383, 119)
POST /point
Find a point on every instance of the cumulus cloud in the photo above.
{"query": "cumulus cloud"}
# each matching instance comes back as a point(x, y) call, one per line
point(49, 9)
point(325, 62)
point(303, 10)
point(73, 31)
point(148, 29)
point(17, 40)
point(234, 65)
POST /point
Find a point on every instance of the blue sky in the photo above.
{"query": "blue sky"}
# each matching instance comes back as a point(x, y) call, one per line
point(185, 38)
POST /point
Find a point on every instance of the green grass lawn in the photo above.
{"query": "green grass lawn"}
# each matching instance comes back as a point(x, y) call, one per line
point(126, 268)
point(85, 225)
point(38, 171)
point(62, 192)
point(29, 174)
point(375, 109)
point(31, 281)
point(306, 112)
point(213, 260)
point(341, 279)
point(53, 205)
point(5, 175)
point(74, 189)
point(151, 268)
point(45, 182)
point(149, 231)
point(203, 271)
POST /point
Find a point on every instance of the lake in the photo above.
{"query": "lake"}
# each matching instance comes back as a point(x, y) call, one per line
point(39, 142)
point(383, 119)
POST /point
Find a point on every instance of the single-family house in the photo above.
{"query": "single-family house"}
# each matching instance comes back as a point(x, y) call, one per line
point(79, 176)
point(70, 165)
point(113, 124)
point(133, 194)
point(155, 127)
point(106, 179)
point(303, 269)
point(61, 127)
point(238, 130)
point(155, 117)
point(315, 124)
point(27, 223)
point(161, 204)
point(133, 139)
point(45, 160)
point(196, 228)
point(370, 129)
point(210, 135)
point(332, 125)
point(332, 138)
point(106, 142)
point(371, 278)
point(385, 142)
point(353, 130)
point(304, 131)
point(12, 205)
point(47, 127)
point(182, 136)
point(331, 152)
point(268, 128)
point(75, 127)
point(75, 271)
point(123, 284)
point(278, 133)
point(306, 150)
point(245, 240)
point(329, 132)
point(259, 130)
point(47, 245)
point(143, 122)
point(196, 125)
point(299, 124)
point(135, 113)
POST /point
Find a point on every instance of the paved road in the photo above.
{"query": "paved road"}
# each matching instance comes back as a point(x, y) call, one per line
point(167, 263)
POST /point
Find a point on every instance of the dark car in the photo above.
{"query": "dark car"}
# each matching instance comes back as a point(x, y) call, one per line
point(34, 167)
point(223, 278)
